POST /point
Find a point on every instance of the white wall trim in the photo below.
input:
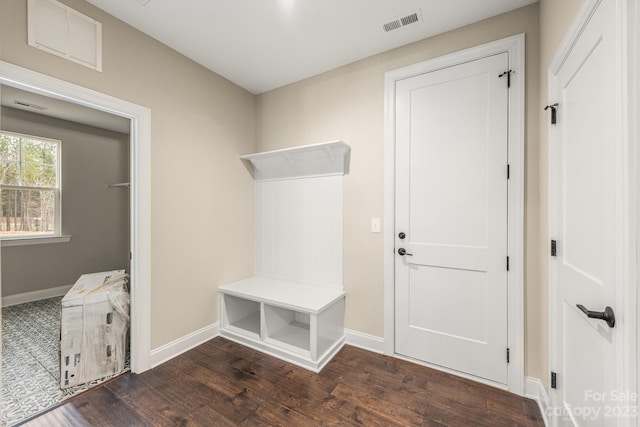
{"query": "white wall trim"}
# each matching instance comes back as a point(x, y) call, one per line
point(26, 241)
point(35, 295)
point(630, 17)
point(364, 341)
point(140, 177)
point(634, 135)
point(533, 389)
point(181, 345)
point(515, 47)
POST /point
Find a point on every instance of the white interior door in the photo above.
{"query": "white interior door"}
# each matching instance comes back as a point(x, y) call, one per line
point(451, 218)
point(586, 202)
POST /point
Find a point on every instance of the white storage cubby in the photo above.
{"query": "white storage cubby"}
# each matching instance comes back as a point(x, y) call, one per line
point(293, 306)
point(242, 315)
point(288, 328)
point(300, 323)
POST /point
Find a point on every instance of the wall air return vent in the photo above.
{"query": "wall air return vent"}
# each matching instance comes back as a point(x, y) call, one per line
point(402, 21)
point(56, 28)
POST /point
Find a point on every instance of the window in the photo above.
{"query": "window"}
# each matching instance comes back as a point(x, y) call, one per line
point(29, 186)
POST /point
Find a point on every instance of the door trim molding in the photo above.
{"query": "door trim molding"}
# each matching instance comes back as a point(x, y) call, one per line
point(140, 190)
point(515, 47)
point(633, 11)
point(627, 109)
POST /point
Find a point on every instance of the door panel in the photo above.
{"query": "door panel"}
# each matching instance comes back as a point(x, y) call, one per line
point(454, 146)
point(584, 163)
point(469, 288)
point(451, 201)
point(584, 217)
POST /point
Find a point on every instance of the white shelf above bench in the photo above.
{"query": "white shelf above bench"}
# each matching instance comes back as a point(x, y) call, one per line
point(326, 158)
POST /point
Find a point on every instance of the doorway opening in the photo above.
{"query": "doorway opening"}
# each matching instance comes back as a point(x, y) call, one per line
point(60, 219)
point(138, 119)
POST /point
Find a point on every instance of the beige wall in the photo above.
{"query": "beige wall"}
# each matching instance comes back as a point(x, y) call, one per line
point(202, 195)
point(96, 217)
point(555, 18)
point(348, 104)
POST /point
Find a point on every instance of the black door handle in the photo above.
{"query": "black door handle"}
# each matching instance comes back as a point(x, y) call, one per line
point(403, 252)
point(607, 315)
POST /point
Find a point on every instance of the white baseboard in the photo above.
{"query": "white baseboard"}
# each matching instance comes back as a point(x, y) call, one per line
point(35, 295)
point(177, 347)
point(364, 341)
point(533, 389)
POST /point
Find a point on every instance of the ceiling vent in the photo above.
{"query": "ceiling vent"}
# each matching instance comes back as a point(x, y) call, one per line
point(403, 21)
point(30, 105)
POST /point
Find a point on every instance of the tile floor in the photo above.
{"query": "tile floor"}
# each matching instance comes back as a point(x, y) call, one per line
point(30, 360)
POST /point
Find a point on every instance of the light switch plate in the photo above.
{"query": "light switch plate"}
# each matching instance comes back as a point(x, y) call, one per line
point(375, 225)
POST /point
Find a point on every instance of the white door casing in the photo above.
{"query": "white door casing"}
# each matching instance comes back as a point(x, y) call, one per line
point(140, 192)
point(451, 203)
point(591, 205)
point(514, 46)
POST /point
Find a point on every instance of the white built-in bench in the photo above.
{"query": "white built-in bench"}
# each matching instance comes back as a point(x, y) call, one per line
point(298, 229)
point(300, 323)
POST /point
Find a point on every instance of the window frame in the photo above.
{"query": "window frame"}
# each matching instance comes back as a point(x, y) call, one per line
point(56, 235)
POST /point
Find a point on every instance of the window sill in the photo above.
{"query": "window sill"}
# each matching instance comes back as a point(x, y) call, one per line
point(24, 241)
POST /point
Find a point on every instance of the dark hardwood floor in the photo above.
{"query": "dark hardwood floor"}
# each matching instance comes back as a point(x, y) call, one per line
point(221, 383)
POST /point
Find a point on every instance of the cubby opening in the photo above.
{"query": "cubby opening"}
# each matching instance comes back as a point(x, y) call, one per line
point(243, 315)
point(288, 327)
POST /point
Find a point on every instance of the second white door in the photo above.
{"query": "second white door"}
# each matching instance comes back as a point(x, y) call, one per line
point(587, 222)
point(451, 218)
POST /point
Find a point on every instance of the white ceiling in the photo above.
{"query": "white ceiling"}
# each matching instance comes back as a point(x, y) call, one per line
point(264, 44)
point(62, 109)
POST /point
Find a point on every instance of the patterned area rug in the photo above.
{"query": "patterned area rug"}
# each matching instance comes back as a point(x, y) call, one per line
point(30, 360)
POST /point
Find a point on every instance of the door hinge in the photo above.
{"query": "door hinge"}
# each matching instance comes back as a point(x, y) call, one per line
point(508, 171)
point(508, 74)
point(507, 355)
point(554, 383)
point(130, 256)
point(507, 263)
point(554, 108)
point(554, 248)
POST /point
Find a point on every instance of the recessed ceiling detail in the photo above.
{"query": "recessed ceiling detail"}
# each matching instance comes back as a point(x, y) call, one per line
point(402, 21)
